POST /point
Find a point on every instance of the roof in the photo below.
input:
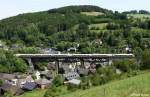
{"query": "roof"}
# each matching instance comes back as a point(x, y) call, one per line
point(5, 76)
point(29, 86)
point(6, 87)
point(51, 66)
point(74, 81)
point(13, 89)
point(29, 79)
point(48, 51)
point(44, 72)
point(83, 71)
point(71, 75)
point(43, 82)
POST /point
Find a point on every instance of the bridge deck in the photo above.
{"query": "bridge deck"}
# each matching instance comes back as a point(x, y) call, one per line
point(75, 55)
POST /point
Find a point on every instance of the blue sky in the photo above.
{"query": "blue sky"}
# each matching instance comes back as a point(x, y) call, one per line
point(13, 7)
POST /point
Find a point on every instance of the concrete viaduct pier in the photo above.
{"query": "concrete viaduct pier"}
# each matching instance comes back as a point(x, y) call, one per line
point(57, 58)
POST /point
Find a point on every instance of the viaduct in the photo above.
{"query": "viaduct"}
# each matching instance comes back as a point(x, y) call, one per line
point(57, 58)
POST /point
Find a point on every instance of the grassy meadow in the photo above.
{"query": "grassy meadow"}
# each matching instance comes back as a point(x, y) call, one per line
point(92, 13)
point(141, 16)
point(130, 87)
point(34, 93)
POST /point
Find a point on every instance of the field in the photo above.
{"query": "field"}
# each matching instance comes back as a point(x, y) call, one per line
point(131, 87)
point(35, 93)
point(124, 88)
point(100, 26)
point(141, 16)
point(92, 13)
point(40, 93)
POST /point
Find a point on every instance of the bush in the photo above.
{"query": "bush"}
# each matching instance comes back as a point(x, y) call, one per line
point(1, 82)
point(8, 94)
point(145, 60)
point(126, 65)
point(58, 80)
point(107, 73)
point(85, 83)
point(95, 79)
point(10, 63)
point(72, 87)
point(53, 91)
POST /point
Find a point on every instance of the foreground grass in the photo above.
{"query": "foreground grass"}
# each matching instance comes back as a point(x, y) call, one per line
point(34, 93)
point(40, 93)
point(124, 88)
point(131, 87)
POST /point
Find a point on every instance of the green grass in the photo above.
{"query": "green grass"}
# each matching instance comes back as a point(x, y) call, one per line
point(125, 88)
point(40, 93)
point(141, 16)
point(34, 93)
point(92, 13)
point(100, 26)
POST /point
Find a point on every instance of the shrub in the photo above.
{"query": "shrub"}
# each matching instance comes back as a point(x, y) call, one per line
point(126, 65)
point(107, 73)
point(72, 87)
point(58, 80)
point(85, 83)
point(145, 60)
point(1, 82)
point(53, 91)
point(95, 79)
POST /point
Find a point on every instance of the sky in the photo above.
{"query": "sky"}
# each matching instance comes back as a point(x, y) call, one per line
point(14, 7)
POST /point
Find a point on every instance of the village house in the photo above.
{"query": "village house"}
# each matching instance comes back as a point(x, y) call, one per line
point(43, 83)
point(15, 90)
point(16, 46)
point(9, 78)
point(92, 68)
point(48, 51)
point(71, 75)
point(98, 42)
point(72, 49)
point(43, 74)
point(128, 49)
point(74, 81)
point(22, 81)
point(51, 66)
point(82, 71)
point(29, 86)
point(16, 84)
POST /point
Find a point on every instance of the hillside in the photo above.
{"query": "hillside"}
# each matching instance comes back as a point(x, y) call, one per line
point(83, 29)
point(125, 88)
point(141, 16)
point(79, 9)
point(92, 28)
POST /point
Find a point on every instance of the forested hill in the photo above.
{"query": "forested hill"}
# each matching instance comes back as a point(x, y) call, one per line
point(90, 29)
point(78, 9)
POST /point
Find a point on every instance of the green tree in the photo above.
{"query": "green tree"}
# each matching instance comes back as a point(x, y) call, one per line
point(8, 94)
point(58, 80)
point(107, 73)
point(95, 79)
point(1, 82)
point(126, 65)
point(10, 63)
point(145, 60)
point(53, 91)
